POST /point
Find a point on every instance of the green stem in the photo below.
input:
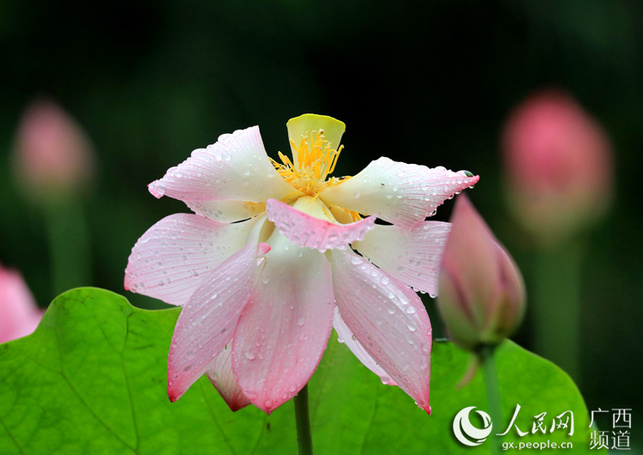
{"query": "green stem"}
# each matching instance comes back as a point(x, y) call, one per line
point(556, 307)
point(68, 245)
point(304, 438)
point(487, 358)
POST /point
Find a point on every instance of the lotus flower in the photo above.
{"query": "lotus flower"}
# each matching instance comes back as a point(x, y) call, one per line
point(558, 164)
point(482, 294)
point(19, 315)
point(264, 269)
point(52, 154)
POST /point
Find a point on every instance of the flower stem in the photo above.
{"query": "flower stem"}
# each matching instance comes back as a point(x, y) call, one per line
point(487, 357)
point(557, 307)
point(68, 245)
point(304, 438)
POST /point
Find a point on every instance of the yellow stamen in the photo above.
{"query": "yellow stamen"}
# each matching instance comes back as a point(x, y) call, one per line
point(312, 163)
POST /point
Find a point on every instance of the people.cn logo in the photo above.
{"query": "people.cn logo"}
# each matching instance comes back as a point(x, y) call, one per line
point(468, 434)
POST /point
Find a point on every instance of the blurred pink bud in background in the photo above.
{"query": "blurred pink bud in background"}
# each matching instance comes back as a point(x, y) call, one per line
point(558, 165)
point(19, 315)
point(481, 294)
point(52, 154)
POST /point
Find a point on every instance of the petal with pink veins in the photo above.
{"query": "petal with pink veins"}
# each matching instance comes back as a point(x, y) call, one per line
point(221, 377)
point(283, 331)
point(312, 232)
point(170, 261)
point(345, 336)
point(400, 193)
point(388, 319)
point(412, 256)
point(208, 319)
point(236, 167)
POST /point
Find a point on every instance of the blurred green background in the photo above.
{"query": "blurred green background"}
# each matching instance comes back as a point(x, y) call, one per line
point(429, 82)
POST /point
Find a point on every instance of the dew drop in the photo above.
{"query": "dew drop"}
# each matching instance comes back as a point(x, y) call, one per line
point(301, 321)
point(250, 355)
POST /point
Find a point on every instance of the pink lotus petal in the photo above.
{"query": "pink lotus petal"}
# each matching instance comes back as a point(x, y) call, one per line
point(412, 256)
point(345, 336)
point(400, 193)
point(170, 261)
point(221, 377)
point(305, 230)
point(19, 315)
point(208, 320)
point(236, 168)
point(388, 319)
point(226, 211)
point(283, 331)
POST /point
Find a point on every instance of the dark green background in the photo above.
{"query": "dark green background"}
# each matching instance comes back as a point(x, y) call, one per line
point(419, 81)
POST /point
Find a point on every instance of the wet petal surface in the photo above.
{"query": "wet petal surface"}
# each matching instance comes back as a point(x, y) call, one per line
point(400, 193)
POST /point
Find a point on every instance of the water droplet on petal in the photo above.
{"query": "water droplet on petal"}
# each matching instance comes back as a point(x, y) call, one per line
point(250, 355)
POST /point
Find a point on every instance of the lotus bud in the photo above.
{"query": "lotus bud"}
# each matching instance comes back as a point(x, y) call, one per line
point(558, 166)
point(19, 315)
point(481, 294)
point(52, 155)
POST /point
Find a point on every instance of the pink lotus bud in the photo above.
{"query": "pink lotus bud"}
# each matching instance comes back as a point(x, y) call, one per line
point(481, 295)
point(52, 154)
point(19, 315)
point(558, 164)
